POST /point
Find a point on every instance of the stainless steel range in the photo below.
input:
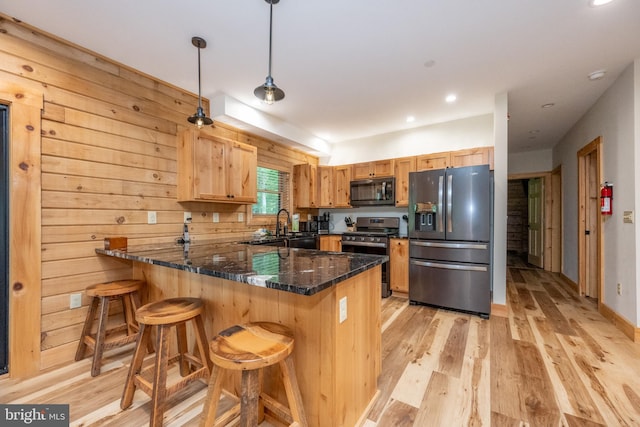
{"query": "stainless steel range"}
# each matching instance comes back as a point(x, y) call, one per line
point(372, 237)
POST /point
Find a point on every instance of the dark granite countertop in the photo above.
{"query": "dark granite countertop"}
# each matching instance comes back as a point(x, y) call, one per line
point(301, 271)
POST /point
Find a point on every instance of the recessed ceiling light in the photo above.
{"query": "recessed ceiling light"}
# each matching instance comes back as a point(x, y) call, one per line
point(451, 98)
point(596, 3)
point(597, 75)
point(549, 105)
point(411, 119)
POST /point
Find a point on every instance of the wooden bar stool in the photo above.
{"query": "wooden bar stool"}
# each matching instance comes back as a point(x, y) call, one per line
point(250, 348)
point(127, 291)
point(166, 314)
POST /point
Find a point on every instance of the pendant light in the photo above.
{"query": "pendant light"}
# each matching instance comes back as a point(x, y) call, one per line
point(199, 118)
point(269, 92)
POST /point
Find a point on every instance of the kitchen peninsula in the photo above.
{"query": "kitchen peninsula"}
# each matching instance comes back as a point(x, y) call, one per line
point(337, 352)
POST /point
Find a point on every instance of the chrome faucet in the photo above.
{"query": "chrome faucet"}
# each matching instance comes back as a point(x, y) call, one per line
point(278, 221)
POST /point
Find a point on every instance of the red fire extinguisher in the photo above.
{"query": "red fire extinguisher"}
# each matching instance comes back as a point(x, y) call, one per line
point(606, 196)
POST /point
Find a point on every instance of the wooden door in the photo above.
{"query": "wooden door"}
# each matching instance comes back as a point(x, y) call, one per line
point(242, 169)
point(535, 218)
point(403, 167)
point(399, 265)
point(433, 161)
point(341, 186)
point(470, 157)
point(325, 187)
point(589, 222)
point(210, 168)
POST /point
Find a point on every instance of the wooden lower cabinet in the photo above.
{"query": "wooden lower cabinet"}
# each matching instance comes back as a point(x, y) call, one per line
point(399, 265)
point(331, 243)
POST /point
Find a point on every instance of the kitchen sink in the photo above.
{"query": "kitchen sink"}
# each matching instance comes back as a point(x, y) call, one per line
point(291, 240)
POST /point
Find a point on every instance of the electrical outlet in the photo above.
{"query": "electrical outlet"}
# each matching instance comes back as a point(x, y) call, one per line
point(619, 289)
point(240, 217)
point(343, 309)
point(187, 217)
point(152, 217)
point(216, 217)
point(75, 300)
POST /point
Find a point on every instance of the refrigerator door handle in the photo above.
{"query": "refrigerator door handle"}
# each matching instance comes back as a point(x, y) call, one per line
point(449, 266)
point(449, 204)
point(450, 245)
point(440, 197)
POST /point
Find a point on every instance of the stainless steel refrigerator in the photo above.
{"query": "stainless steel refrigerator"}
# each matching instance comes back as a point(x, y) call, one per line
point(450, 231)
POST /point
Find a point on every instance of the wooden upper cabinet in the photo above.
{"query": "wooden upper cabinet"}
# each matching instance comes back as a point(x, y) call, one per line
point(472, 157)
point(380, 168)
point(342, 186)
point(325, 187)
point(212, 169)
point(402, 168)
point(433, 161)
point(305, 186)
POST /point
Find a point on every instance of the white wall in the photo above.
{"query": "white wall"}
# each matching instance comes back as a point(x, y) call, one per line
point(531, 161)
point(450, 136)
point(615, 118)
point(500, 159)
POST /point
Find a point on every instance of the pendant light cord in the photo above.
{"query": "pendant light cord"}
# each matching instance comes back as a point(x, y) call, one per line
point(270, 32)
point(199, 82)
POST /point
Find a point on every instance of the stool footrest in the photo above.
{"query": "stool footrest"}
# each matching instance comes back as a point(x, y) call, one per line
point(279, 410)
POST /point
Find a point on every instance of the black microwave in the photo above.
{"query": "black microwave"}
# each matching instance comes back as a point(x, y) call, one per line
point(373, 192)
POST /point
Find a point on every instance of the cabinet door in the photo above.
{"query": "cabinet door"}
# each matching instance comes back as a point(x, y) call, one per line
point(361, 170)
point(382, 168)
point(402, 168)
point(304, 184)
point(210, 162)
point(341, 186)
point(242, 173)
point(335, 243)
point(470, 157)
point(433, 161)
point(325, 187)
point(399, 265)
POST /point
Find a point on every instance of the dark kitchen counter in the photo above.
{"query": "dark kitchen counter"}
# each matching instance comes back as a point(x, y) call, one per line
point(301, 271)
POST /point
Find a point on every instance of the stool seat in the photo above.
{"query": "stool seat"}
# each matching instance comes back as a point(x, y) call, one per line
point(111, 289)
point(172, 310)
point(127, 291)
point(164, 315)
point(249, 348)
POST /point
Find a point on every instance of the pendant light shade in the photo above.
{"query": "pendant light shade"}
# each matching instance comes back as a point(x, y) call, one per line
point(269, 92)
point(199, 118)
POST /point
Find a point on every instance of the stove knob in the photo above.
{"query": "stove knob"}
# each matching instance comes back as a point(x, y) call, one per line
point(362, 239)
point(378, 240)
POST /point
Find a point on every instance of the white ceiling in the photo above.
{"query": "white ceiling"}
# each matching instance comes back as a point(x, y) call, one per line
point(356, 68)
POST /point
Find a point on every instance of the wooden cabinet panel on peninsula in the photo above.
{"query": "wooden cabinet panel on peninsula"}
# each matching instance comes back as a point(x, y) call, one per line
point(212, 169)
point(399, 265)
point(380, 168)
point(403, 166)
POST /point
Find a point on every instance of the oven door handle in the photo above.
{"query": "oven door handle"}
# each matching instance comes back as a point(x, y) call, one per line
point(449, 266)
point(366, 244)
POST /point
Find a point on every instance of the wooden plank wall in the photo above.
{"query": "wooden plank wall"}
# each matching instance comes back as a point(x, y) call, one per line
point(108, 156)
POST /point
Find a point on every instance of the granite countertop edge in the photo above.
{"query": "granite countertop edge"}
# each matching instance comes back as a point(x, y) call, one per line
point(153, 256)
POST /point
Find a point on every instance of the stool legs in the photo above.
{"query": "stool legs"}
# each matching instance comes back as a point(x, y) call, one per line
point(293, 391)
point(86, 329)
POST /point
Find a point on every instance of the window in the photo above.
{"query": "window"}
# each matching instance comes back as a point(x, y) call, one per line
point(273, 192)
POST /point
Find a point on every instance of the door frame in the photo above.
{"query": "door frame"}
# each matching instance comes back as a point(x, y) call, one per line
point(552, 231)
point(594, 147)
point(25, 231)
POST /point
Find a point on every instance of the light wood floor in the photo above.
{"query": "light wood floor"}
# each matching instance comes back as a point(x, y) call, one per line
point(553, 362)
